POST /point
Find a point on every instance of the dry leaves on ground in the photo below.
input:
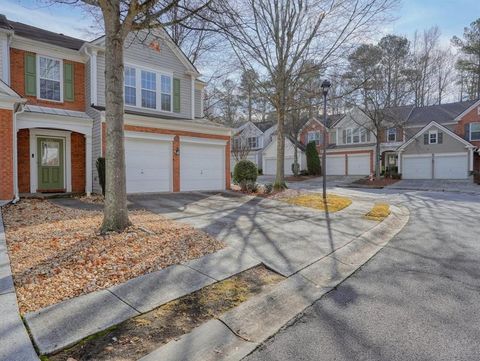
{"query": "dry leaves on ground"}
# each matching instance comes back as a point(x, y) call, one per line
point(334, 203)
point(379, 212)
point(56, 253)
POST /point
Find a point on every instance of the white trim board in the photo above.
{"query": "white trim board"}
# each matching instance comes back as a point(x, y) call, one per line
point(219, 142)
point(146, 135)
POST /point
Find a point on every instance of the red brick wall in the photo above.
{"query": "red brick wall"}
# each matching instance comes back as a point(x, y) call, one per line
point(23, 160)
point(6, 154)
point(17, 76)
point(176, 143)
point(471, 117)
point(312, 126)
point(383, 135)
point(78, 162)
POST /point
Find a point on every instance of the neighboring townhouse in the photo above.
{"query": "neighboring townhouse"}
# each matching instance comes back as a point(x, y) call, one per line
point(52, 118)
point(270, 156)
point(433, 142)
point(249, 140)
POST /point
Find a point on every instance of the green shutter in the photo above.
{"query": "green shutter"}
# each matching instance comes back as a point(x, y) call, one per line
point(68, 82)
point(30, 74)
point(176, 95)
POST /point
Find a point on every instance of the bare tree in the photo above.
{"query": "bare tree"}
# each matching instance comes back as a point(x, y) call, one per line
point(277, 37)
point(120, 18)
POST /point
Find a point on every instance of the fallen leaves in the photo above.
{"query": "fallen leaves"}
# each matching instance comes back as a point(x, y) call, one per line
point(379, 212)
point(56, 253)
point(334, 203)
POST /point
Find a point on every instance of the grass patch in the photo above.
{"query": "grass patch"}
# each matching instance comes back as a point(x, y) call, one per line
point(379, 212)
point(315, 200)
point(139, 336)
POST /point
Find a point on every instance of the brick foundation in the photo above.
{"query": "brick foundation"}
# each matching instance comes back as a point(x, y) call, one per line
point(6, 154)
point(23, 160)
point(78, 162)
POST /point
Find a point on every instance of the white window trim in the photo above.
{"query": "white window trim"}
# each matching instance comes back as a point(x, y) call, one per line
point(256, 142)
point(158, 90)
point(157, 78)
point(395, 134)
point(470, 131)
point(360, 131)
point(37, 64)
point(436, 136)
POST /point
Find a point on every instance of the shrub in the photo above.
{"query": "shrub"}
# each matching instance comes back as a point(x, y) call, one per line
point(295, 168)
point(268, 188)
point(245, 170)
point(260, 171)
point(101, 173)
point(249, 186)
point(313, 161)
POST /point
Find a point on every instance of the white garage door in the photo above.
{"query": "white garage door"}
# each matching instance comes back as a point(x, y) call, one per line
point(202, 166)
point(335, 165)
point(358, 164)
point(148, 165)
point(271, 166)
point(451, 166)
point(418, 167)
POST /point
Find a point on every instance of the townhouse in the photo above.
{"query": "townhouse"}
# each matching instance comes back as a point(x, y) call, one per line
point(52, 116)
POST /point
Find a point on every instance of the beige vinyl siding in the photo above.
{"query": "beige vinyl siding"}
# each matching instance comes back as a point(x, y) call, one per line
point(449, 145)
point(198, 103)
point(138, 53)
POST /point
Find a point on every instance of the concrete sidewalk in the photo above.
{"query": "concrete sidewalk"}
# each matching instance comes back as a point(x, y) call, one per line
point(437, 185)
point(15, 344)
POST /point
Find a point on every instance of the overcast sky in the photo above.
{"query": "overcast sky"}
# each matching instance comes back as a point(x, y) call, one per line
point(450, 15)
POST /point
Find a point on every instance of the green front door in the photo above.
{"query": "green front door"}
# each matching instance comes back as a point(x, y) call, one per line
point(50, 165)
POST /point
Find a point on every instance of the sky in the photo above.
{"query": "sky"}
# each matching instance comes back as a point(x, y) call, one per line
point(450, 15)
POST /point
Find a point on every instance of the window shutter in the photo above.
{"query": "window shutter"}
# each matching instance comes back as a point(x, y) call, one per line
point(344, 136)
point(30, 74)
point(440, 138)
point(176, 95)
point(368, 136)
point(68, 93)
point(425, 138)
point(467, 132)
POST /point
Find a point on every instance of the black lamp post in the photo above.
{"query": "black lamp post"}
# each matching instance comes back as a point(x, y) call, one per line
point(325, 86)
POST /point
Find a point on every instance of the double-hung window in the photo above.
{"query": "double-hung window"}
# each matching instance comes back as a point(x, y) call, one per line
point(314, 136)
point(432, 137)
point(149, 89)
point(348, 139)
point(130, 86)
point(475, 131)
point(252, 142)
point(50, 78)
point(166, 92)
point(356, 135)
point(391, 134)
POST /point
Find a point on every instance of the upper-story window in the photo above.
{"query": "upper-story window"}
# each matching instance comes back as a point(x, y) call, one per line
point(148, 89)
point(432, 137)
point(130, 85)
point(314, 136)
point(49, 78)
point(356, 135)
point(252, 142)
point(391, 134)
point(474, 131)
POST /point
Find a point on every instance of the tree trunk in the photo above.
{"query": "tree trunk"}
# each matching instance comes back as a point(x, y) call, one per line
point(115, 210)
point(295, 160)
point(279, 183)
point(378, 159)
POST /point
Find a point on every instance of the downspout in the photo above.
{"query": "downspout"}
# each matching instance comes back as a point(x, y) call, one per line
point(20, 108)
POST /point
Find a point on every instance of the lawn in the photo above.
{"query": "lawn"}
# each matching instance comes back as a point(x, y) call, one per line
point(334, 202)
point(56, 253)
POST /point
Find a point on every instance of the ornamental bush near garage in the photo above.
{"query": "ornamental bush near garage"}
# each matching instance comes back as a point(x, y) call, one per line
point(245, 171)
point(313, 161)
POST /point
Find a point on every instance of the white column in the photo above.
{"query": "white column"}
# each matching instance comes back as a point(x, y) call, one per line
point(193, 96)
point(399, 163)
point(88, 164)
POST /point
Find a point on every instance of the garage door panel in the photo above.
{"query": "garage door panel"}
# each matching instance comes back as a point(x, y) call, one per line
point(271, 166)
point(148, 165)
point(417, 167)
point(451, 166)
point(359, 164)
point(202, 167)
point(335, 165)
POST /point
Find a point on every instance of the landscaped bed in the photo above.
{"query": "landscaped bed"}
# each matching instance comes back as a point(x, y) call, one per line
point(57, 253)
point(376, 183)
point(334, 202)
point(379, 212)
point(139, 336)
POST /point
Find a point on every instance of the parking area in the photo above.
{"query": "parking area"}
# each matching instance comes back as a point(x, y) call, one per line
point(284, 237)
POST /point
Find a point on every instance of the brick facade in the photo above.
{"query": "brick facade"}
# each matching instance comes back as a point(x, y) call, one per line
point(399, 135)
point(472, 116)
point(78, 162)
point(313, 126)
point(17, 83)
point(6, 154)
point(23, 160)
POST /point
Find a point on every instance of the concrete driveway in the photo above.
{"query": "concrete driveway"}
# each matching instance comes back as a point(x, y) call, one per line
point(417, 299)
point(284, 237)
point(438, 185)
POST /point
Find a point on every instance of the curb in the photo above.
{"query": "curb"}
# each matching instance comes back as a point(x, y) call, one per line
point(253, 322)
point(443, 190)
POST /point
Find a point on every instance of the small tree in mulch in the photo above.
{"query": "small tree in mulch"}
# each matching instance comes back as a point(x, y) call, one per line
point(313, 160)
point(245, 174)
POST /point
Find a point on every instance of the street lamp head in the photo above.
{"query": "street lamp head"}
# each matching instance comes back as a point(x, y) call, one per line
point(325, 86)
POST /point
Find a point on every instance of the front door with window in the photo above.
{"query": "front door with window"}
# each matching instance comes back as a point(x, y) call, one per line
point(50, 164)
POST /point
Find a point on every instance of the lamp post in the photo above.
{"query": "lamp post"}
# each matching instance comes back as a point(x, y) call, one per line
point(325, 86)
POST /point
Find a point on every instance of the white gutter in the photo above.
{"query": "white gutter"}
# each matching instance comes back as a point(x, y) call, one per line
point(15, 164)
point(92, 54)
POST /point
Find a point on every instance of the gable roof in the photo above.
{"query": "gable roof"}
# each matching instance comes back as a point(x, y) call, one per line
point(263, 126)
point(6, 91)
point(42, 35)
point(439, 126)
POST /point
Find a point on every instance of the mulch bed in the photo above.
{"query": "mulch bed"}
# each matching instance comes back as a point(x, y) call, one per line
point(57, 253)
point(379, 182)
